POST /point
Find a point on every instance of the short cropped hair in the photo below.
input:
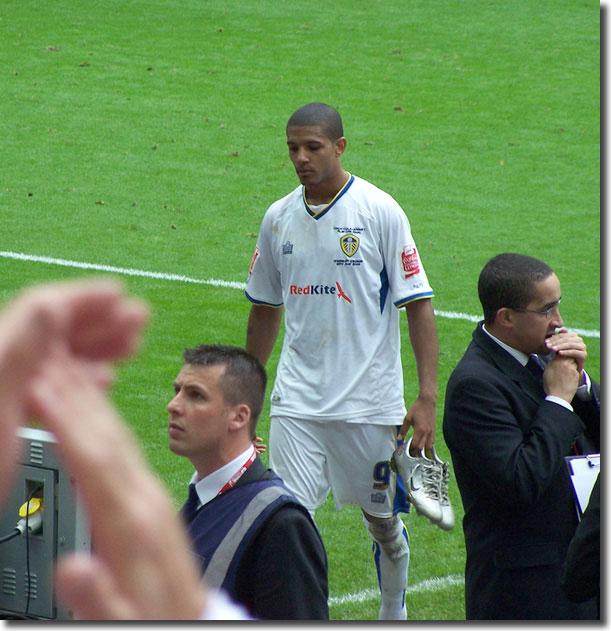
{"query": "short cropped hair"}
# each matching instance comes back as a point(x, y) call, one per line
point(244, 379)
point(314, 114)
point(508, 280)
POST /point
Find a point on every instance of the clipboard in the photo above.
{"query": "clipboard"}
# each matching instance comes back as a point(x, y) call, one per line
point(583, 471)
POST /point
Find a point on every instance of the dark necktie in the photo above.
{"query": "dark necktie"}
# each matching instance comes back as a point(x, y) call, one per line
point(190, 507)
point(536, 366)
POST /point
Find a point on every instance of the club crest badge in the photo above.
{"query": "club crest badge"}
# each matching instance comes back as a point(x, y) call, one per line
point(349, 244)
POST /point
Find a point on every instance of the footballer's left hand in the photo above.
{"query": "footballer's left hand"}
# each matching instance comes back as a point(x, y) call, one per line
point(260, 446)
point(421, 415)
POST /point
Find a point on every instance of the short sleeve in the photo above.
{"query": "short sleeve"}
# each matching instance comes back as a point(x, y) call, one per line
point(406, 276)
point(263, 285)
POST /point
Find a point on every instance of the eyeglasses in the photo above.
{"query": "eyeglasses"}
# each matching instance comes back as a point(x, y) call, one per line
point(545, 312)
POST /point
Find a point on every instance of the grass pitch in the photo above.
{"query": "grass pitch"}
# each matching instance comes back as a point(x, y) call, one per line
point(150, 136)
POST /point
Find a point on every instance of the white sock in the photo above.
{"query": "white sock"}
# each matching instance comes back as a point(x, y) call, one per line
point(391, 555)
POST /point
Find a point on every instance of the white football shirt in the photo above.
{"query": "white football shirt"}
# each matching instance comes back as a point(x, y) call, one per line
point(342, 272)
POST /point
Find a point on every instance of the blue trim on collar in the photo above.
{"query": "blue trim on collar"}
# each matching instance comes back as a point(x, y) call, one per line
point(334, 201)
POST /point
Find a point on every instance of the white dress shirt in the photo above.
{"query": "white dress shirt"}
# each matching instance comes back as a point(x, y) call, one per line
point(208, 487)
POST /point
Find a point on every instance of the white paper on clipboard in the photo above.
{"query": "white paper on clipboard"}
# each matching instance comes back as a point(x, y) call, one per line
point(583, 471)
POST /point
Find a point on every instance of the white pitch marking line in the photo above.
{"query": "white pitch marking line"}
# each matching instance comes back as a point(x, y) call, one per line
point(427, 585)
point(119, 270)
point(215, 283)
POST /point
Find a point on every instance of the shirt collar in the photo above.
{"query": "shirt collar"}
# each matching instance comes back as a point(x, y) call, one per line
point(208, 488)
point(514, 352)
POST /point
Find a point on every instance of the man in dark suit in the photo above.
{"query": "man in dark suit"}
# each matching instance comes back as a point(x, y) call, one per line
point(252, 536)
point(509, 427)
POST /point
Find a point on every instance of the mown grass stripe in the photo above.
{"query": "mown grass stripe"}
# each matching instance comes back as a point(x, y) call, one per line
point(212, 281)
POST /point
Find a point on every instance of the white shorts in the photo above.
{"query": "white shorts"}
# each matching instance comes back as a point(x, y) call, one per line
point(349, 459)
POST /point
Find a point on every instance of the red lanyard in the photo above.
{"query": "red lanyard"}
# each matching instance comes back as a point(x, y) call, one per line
point(238, 474)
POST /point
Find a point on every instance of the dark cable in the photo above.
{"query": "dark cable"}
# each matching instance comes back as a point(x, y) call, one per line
point(13, 534)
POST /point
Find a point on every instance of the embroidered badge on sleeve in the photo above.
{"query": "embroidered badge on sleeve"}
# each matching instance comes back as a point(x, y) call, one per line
point(255, 256)
point(410, 262)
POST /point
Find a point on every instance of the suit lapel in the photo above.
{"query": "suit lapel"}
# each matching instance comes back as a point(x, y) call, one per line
point(523, 378)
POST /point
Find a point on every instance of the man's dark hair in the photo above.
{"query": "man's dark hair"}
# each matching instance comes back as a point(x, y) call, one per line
point(244, 379)
point(508, 280)
point(321, 114)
